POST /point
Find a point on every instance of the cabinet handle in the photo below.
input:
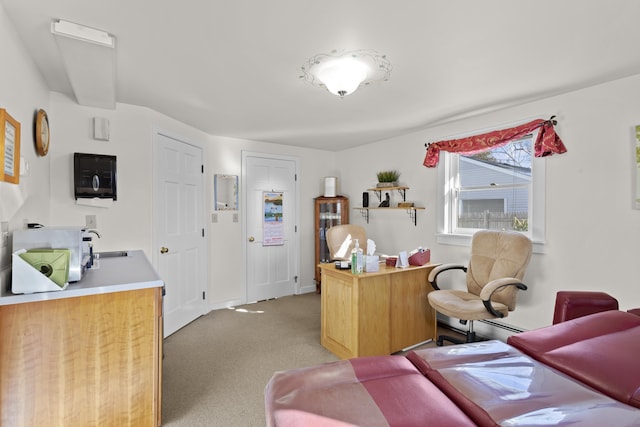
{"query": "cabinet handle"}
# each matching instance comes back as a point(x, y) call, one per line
point(251, 239)
point(164, 250)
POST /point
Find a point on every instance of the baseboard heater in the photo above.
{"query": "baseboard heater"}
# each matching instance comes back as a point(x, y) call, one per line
point(508, 328)
point(487, 329)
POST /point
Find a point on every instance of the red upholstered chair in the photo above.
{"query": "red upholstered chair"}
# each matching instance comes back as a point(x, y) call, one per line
point(573, 304)
point(635, 311)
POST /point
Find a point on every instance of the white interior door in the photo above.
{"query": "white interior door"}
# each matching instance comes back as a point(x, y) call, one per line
point(271, 269)
point(180, 250)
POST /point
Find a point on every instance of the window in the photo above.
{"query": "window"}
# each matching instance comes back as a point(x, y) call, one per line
point(497, 189)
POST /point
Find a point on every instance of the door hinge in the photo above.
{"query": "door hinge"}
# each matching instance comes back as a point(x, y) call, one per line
point(203, 295)
point(201, 168)
point(203, 232)
point(295, 278)
point(295, 176)
point(295, 229)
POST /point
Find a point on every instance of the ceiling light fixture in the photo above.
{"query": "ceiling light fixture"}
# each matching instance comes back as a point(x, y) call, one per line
point(342, 73)
point(60, 27)
point(89, 58)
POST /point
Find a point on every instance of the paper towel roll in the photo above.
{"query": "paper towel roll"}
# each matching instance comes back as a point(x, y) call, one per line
point(330, 184)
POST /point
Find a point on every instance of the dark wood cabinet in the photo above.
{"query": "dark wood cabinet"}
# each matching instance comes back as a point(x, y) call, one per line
point(329, 211)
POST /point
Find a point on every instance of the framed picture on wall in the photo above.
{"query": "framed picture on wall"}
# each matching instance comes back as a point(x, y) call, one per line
point(9, 148)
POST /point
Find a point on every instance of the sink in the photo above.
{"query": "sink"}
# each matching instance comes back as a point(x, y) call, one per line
point(113, 254)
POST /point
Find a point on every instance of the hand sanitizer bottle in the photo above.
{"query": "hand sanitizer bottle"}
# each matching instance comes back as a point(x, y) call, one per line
point(354, 260)
point(357, 260)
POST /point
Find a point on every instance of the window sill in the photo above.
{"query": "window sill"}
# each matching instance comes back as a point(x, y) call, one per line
point(465, 240)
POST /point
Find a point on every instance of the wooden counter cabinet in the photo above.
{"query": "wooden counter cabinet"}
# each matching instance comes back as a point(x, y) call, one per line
point(82, 361)
point(377, 313)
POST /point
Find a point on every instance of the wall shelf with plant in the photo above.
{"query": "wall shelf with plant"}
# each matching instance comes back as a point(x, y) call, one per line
point(388, 182)
point(378, 191)
point(387, 179)
point(411, 211)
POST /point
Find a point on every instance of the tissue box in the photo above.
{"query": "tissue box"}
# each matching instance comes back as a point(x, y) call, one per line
point(372, 263)
point(420, 258)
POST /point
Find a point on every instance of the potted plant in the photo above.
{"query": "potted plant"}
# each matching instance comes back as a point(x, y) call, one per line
point(387, 178)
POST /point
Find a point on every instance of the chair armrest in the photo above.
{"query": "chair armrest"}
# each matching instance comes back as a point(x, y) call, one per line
point(495, 285)
point(441, 268)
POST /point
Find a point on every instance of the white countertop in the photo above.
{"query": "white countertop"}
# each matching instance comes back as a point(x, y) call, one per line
point(109, 274)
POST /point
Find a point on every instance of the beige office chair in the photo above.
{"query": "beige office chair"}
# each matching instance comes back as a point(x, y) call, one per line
point(494, 275)
point(341, 240)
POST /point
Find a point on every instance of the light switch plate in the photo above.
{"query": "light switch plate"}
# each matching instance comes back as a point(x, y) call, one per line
point(4, 234)
point(100, 129)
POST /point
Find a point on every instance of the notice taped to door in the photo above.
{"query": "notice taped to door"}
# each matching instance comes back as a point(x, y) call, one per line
point(273, 220)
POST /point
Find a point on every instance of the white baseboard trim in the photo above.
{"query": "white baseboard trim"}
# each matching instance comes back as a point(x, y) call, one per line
point(307, 289)
point(226, 304)
point(235, 302)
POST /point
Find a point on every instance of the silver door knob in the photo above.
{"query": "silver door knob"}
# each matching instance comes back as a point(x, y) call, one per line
point(164, 250)
point(251, 238)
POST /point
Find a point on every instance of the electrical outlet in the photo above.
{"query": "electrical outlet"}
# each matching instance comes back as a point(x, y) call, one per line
point(92, 222)
point(214, 217)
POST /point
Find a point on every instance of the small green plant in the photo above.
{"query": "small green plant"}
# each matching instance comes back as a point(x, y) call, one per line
point(520, 224)
point(388, 176)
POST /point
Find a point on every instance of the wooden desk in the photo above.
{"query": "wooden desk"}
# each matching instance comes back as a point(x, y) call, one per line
point(375, 313)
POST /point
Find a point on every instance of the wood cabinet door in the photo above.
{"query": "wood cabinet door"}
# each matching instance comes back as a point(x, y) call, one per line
point(413, 320)
point(81, 361)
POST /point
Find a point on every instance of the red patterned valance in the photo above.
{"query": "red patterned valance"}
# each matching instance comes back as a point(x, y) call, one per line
point(546, 144)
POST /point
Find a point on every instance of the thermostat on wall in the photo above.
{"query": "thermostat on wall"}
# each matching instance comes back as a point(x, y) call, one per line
point(101, 128)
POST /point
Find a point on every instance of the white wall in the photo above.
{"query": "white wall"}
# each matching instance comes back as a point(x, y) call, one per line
point(592, 231)
point(45, 194)
point(592, 234)
point(22, 92)
point(127, 223)
point(225, 246)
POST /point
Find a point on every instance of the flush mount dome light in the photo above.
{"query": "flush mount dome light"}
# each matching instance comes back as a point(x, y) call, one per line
point(343, 73)
point(342, 76)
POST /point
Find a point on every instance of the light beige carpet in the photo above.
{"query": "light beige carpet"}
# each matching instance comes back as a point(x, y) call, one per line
point(216, 368)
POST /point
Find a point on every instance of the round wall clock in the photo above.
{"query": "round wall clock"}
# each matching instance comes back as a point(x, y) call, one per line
point(42, 133)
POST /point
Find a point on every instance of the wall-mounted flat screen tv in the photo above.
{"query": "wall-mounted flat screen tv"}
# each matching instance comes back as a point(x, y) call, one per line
point(94, 176)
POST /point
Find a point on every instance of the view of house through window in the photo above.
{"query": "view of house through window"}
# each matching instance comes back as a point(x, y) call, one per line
point(492, 189)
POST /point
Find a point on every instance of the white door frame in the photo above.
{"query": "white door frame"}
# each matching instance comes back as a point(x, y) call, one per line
point(155, 239)
point(243, 203)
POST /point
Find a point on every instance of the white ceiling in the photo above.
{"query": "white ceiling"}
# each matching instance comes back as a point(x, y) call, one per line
point(232, 67)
